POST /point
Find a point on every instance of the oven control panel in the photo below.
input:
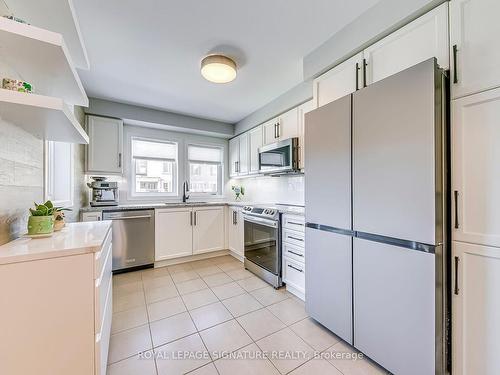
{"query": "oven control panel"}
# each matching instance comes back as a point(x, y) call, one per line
point(270, 213)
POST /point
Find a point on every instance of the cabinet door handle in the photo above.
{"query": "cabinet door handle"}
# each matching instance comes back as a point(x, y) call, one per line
point(278, 126)
point(235, 218)
point(364, 72)
point(296, 238)
point(455, 73)
point(191, 218)
point(457, 224)
point(295, 268)
point(195, 217)
point(457, 259)
point(275, 131)
point(294, 253)
point(119, 160)
point(357, 76)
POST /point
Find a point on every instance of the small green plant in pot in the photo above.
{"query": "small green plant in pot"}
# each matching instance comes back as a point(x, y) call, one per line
point(41, 220)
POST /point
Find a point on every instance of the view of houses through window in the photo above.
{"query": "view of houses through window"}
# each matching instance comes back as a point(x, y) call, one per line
point(155, 166)
point(205, 169)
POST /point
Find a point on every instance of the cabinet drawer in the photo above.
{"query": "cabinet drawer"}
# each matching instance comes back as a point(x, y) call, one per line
point(103, 336)
point(293, 237)
point(101, 256)
point(294, 252)
point(102, 286)
point(294, 274)
point(293, 222)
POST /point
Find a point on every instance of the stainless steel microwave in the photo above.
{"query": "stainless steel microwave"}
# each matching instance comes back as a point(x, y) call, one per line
point(280, 157)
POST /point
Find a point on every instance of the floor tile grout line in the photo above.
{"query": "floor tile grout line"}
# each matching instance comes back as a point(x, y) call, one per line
point(149, 324)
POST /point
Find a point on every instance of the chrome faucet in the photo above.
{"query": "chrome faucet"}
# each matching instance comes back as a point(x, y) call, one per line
point(185, 189)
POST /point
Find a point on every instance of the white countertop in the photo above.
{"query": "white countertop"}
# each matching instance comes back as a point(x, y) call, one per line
point(73, 239)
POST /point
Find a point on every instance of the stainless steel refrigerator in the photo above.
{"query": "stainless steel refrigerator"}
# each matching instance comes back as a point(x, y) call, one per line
point(375, 195)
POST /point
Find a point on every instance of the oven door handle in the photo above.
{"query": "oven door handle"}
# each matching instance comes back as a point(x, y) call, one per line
point(256, 220)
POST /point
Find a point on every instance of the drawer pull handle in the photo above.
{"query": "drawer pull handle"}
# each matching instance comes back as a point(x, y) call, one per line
point(295, 268)
point(456, 291)
point(294, 253)
point(296, 238)
point(294, 223)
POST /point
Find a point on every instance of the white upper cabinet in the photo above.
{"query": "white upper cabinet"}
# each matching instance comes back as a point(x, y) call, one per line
point(270, 131)
point(475, 303)
point(255, 142)
point(104, 152)
point(475, 175)
point(238, 155)
point(474, 30)
point(342, 80)
point(244, 157)
point(303, 109)
point(418, 41)
point(288, 126)
point(283, 127)
point(208, 229)
point(234, 156)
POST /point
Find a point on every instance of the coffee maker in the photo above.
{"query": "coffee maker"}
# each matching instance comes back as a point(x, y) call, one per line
point(104, 193)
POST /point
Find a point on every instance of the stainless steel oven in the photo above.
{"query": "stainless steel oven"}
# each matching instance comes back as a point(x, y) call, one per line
point(263, 243)
point(280, 157)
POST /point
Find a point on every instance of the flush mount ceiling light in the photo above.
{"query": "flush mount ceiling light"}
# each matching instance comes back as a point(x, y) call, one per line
point(218, 69)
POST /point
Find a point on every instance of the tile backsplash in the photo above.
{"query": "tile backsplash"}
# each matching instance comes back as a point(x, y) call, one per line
point(267, 189)
point(21, 178)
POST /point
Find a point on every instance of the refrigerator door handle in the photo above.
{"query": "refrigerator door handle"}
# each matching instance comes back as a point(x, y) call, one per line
point(357, 76)
point(457, 259)
point(455, 194)
point(364, 72)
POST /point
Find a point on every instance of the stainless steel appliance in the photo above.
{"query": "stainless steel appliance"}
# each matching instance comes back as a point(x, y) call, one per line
point(376, 216)
point(104, 193)
point(263, 243)
point(133, 238)
point(280, 157)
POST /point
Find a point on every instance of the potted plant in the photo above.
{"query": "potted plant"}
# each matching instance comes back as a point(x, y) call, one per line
point(239, 191)
point(41, 220)
point(59, 222)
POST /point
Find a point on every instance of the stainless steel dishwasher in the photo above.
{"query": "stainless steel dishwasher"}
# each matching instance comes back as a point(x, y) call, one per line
point(133, 238)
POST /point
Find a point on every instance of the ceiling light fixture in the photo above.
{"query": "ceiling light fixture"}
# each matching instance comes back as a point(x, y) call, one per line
point(218, 69)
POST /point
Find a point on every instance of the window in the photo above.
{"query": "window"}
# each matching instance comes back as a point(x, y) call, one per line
point(154, 166)
point(205, 169)
point(59, 173)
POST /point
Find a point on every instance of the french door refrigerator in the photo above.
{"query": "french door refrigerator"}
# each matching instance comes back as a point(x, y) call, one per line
point(386, 248)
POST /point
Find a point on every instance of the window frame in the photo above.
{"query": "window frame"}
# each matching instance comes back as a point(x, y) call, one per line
point(48, 182)
point(220, 181)
point(133, 175)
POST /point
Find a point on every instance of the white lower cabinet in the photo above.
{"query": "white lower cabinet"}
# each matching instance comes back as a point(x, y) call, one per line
point(236, 231)
point(56, 312)
point(293, 252)
point(184, 231)
point(208, 229)
point(475, 306)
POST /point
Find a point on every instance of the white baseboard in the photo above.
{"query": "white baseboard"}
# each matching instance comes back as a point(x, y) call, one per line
point(171, 262)
point(296, 292)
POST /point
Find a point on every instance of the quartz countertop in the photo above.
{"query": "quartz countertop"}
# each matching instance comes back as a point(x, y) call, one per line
point(283, 208)
point(73, 239)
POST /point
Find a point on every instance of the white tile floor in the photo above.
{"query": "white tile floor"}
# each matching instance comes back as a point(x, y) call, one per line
point(214, 317)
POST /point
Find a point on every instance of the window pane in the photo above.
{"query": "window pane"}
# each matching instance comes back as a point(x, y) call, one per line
point(204, 178)
point(151, 149)
point(156, 176)
point(204, 153)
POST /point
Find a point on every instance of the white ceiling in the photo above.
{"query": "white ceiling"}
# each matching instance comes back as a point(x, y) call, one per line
point(148, 52)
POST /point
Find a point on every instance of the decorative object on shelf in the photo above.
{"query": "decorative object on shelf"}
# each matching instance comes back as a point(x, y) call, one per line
point(13, 18)
point(218, 69)
point(17, 85)
point(41, 220)
point(239, 191)
point(59, 222)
